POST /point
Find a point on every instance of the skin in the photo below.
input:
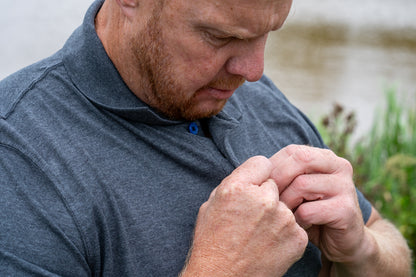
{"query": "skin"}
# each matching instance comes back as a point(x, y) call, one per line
point(185, 59)
point(318, 187)
point(243, 229)
point(182, 62)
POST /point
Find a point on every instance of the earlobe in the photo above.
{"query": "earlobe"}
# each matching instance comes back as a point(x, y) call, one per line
point(128, 6)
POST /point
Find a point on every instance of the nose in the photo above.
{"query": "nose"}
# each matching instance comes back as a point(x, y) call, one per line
point(247, 59)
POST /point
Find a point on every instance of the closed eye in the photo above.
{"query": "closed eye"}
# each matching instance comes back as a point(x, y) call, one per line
point(217, 40)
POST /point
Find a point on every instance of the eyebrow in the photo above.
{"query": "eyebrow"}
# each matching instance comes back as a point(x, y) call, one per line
point(230, 31)
point(224, 32)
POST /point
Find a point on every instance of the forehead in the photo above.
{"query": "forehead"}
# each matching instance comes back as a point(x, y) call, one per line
point(247, 18)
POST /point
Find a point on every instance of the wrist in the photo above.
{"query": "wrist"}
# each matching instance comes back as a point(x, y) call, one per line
point(204, 265)
point(363, 260)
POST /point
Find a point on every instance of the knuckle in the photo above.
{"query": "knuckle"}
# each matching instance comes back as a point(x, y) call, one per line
point(286, 217)
point(303, 239)
point(302, 236)
point(203, 208)
point(303, 154)
point(299, 235)
point(350, 204)
point(346, 166)
point(302, 183)
point(267, 202)
point(259, 159)
point(269, 206)
point(302, 213)
point(260, 162)
point(226, 190)
point(329, 153)
point(291, 148)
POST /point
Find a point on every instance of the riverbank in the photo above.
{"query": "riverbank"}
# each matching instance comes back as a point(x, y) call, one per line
point(317, 64)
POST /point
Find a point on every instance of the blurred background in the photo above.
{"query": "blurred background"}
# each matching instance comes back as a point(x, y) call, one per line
point(329, 51)
point(34, 29)
point(345, 51)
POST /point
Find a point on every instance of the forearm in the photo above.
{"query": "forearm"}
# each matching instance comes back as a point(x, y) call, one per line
point(384, 253)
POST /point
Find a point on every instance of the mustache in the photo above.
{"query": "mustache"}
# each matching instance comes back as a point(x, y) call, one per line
point(227, 84)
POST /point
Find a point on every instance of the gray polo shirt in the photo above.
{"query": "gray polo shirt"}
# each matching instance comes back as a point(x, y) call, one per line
point(93, 182)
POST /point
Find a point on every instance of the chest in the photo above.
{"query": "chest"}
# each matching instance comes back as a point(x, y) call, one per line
point(136, 189)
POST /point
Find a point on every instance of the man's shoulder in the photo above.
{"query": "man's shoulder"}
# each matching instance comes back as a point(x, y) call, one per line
point(17, 85)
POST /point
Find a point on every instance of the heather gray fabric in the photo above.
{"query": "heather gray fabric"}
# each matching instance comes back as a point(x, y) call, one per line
point(95, 183)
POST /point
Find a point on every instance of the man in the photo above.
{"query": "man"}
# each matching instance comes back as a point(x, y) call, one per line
point(112, 149)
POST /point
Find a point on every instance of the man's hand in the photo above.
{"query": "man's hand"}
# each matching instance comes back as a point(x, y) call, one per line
point(318, 187)
point(243, 229)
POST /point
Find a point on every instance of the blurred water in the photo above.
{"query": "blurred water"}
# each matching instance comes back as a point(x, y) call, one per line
point(395, 14)
point(345, 52)
point(329, 50)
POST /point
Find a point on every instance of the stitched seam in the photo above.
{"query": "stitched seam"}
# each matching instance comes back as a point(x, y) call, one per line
point(67, 206)
point(30, 87)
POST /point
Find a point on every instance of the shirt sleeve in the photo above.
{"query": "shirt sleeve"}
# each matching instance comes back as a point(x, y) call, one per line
point(38, 235)
point(365, 206)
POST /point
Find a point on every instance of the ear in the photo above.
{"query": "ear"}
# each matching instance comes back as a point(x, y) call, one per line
point(128, 7)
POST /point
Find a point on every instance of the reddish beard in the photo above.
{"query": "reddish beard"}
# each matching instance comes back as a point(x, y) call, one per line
point(230, 83)
point(161, 90)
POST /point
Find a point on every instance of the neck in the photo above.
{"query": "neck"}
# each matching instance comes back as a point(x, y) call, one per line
point(113, 27)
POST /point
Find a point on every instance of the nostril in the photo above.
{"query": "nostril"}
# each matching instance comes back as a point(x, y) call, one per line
point(249, 67)
point(254, 70)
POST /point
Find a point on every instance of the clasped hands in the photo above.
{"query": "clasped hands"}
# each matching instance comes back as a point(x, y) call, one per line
point(258, 221)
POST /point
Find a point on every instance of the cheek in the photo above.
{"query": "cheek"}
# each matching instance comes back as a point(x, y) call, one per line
point(199, 62)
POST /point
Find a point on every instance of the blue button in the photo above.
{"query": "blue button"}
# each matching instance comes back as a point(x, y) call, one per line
point(193, 128)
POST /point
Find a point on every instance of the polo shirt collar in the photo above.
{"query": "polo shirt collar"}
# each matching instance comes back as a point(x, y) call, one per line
point(96, 77)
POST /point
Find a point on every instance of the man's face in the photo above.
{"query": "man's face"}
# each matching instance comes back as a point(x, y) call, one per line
point(195, 54)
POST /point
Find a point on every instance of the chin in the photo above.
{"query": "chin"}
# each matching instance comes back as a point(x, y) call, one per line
point(204, 112)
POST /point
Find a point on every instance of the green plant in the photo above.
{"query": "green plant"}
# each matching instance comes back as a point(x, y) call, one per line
point(337, 128)
point(384, 159)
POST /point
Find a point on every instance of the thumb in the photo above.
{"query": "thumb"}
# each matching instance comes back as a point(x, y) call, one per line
point(271, 186)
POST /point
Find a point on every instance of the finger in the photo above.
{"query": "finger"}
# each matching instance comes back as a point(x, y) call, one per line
point(338, 220)
point(255, 171)
point(321, 212)
point(269, 188)
point(295, 160)
point(310, 187)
